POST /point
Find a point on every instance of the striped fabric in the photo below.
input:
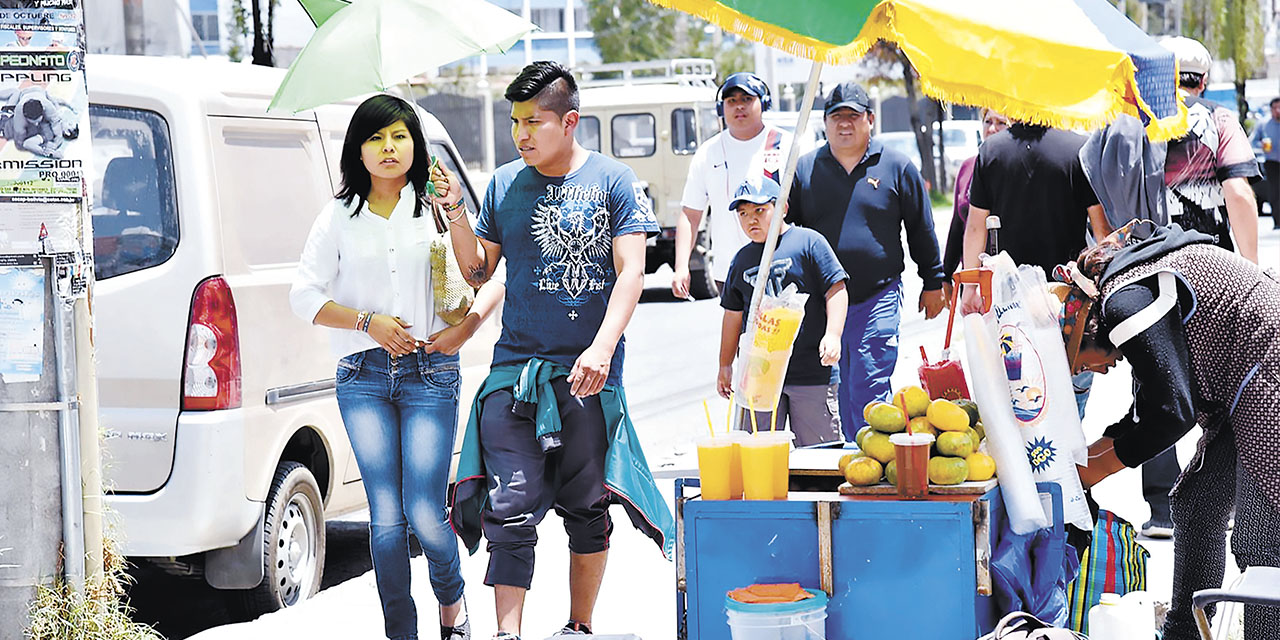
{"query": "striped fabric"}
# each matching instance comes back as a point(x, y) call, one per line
point(1114, 563)
point(1070, 64)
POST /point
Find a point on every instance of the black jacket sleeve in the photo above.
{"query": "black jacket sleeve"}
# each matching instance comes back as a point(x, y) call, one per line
point(1163, 408)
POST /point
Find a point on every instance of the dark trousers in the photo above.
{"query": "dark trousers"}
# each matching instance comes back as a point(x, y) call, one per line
point(1158, 476)
point(525, 482)
point(1272, 169)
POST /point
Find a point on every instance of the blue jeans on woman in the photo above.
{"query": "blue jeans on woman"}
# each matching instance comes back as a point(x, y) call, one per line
point(401, 415)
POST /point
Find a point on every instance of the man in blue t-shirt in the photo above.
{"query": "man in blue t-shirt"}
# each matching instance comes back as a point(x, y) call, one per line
point(572, 225)
point(803, 258)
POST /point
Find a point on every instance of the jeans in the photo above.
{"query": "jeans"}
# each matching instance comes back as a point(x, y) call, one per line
point(868, 353)
point(1083, 384)
point(401, 415)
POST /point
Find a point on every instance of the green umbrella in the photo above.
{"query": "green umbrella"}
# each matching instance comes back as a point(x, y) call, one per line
point(372, 45)
point(321, 10)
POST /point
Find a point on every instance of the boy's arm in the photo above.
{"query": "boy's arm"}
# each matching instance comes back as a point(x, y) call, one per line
point(591, 370)
point(730, 329)
point(837, 309)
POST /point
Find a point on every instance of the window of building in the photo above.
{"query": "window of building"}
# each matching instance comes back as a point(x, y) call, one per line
point(633, 135)
point(548, 19)
point(206, 25)
point(581, 21)
point(588, 132)
point(684, 134)
point(135, 206)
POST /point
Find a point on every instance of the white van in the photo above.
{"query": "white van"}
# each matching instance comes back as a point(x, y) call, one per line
point(225, 452)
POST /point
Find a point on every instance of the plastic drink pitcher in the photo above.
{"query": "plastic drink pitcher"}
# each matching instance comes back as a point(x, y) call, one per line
point(912, 454)
point(758, 474)
point(1129, 617)
point(715, 464)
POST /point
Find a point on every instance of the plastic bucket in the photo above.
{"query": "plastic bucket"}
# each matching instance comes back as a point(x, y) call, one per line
point(804, 620)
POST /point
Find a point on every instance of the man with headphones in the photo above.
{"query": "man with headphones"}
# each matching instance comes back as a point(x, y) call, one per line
point(746, 147)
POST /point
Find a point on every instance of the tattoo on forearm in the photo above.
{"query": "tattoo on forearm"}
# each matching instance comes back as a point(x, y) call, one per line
point(478, 276)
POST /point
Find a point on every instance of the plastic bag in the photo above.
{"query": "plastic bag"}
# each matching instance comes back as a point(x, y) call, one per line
point(1039, 381)
point(761, 367)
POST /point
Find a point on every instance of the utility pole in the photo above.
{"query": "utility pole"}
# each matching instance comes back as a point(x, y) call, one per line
point(135, 42)
point(48, 402)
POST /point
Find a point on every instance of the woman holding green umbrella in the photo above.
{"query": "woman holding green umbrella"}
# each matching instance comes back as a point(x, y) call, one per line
point(365, 273)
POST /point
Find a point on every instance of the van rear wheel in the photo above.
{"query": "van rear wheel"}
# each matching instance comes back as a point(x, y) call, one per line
point(293, 542)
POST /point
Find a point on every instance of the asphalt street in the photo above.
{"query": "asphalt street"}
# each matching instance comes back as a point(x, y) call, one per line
point(670, 370)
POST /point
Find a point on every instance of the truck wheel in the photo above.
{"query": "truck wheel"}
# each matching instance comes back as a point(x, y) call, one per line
point(293, 542)
point(702, 285)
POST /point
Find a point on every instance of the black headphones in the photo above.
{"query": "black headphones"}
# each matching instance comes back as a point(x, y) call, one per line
point(748, 82)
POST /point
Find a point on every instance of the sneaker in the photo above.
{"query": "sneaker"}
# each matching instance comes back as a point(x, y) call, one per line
point(503, 635)
point(460, 632)
point(573, 628)
point(1157, 529)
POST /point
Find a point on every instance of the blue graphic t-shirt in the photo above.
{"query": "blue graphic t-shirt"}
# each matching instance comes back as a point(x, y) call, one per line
point(804, 258)
point(557, 237)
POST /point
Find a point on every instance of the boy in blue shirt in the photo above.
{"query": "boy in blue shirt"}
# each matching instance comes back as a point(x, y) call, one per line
point(809, 401)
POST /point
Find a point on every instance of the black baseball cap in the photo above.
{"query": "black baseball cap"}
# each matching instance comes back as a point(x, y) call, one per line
point(847, 94)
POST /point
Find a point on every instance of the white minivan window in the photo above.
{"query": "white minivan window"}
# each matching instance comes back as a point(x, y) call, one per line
point(135, 211)
point(684, 134)
point(633, 135)
point(272, 183)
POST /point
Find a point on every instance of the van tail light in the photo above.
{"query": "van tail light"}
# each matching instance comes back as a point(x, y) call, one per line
point(211, 368)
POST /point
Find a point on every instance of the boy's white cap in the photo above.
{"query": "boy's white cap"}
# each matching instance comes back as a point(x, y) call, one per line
point(1191, 55)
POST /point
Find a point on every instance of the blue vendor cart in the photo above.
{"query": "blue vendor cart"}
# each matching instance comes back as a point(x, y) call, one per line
point(901, 569)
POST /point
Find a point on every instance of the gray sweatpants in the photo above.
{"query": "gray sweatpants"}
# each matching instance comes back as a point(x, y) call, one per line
point(813, 411)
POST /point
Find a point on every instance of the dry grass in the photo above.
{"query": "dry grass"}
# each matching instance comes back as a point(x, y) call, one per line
point(101, 613)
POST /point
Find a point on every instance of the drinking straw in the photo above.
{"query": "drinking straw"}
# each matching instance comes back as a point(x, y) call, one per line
point(751, 404)
point(728, 415)
point(707, 410)
point(901, 402)
point(773, 416)
point(923, 356)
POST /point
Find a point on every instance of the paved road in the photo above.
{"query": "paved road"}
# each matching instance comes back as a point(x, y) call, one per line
point(671, 364)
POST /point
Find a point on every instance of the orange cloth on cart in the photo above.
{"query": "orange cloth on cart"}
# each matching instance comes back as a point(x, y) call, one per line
point(770, 593)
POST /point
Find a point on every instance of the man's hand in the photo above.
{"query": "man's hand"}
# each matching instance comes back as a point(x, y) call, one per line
point(948, 290)
point(448, 187)
point(590, 371)
point(932, 303)
point(1102, 463)
point(724, 381)
point(829, 349)
point(680, 284)
point(970, 301)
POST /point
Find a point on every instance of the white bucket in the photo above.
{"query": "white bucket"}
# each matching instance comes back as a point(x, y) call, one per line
point(803, 620)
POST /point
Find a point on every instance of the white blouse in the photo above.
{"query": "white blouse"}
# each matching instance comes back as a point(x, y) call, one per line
point(368, 263)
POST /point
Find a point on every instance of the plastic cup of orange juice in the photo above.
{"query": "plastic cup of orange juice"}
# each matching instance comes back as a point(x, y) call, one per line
point(735, 464)
point(758, 461)
point(912, 453)
point(781, 447)
point(715, 461)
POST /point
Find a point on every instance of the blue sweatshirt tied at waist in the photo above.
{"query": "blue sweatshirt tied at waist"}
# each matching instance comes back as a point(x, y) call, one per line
point(627, 475)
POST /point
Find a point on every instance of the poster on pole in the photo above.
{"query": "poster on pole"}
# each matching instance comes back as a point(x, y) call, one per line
point(21, 324)
point(44, 108)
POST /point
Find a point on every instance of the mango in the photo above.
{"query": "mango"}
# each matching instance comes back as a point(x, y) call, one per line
point(849, 457)
point(970, 407)
point(955, 443)
point(877, 446)
point(946, 416)
point(921, 425)
point(862, 433)
point(982, 431)
point(866, 411)
point(863, 471)
point(947, 470)
point(891, 472)
point(982, 467)
point(915, 399)
point(887, 418)
point(976, 437)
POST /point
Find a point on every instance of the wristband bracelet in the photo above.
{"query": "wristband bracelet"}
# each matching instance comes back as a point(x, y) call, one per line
point(461, 213)
point(365, 325)
point(455, 206)
point(360, 319)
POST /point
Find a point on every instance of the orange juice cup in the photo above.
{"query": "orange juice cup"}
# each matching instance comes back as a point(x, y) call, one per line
point(758, 459)
point(715, 462)
point(781, 461)
point(735, 464)
point(912, 453)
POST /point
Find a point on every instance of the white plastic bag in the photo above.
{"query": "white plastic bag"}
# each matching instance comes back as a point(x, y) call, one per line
point(1038, 380)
